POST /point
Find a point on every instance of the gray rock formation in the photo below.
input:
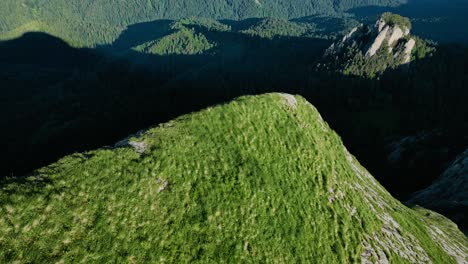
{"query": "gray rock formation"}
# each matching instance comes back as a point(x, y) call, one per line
point(380, 24)
point(395, 35)
point(139, 146)
point(449, 193)
point(409, 46)
point(290, 100)
point(347, 39)
point(378, 41)
point(350, 35)
point(384, 32)
point(371, 50)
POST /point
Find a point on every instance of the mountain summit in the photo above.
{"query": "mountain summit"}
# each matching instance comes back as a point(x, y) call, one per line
point(370, 50)
point(262, 178)
point(389, 30)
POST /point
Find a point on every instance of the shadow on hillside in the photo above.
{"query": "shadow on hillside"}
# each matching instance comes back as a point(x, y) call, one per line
point(44, 51)
point(29, 186)
point(57, 100)
point(141, 33)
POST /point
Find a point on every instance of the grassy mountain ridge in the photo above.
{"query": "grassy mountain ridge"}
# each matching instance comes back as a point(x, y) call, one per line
point(260, 178)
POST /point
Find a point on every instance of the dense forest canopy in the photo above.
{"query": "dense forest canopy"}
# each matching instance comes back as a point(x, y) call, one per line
point(90, 22)
point(394, 19)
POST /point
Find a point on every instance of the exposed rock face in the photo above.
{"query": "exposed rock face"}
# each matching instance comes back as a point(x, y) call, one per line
point(370, 50)
point(139, 146)
point(375, 46)
point(380, 24)
point(419, 160)
point(290, 100)
point(384, 32)
point(409, 46)
point(347, 39)
point(350, 35)
point(395, 35)
point(449, 193)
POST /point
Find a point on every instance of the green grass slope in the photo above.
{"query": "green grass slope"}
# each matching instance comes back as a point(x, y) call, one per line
point(261, 179)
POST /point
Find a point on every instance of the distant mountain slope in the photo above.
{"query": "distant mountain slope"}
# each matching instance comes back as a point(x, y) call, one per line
point(53, 52)
point(262, 178)
point(90, 22)
point(194, 36)
point(449, 193)
point(368, 51)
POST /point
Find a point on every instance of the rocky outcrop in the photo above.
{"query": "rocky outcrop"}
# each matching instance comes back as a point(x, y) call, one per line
point(378, 41)
point(395, 35)
point(139, 146)
point(449, 193)
point(409, 46)
point(347, 39)
point(371, 40)
point(380, 24)
point(371, 50)
point(350, 35)
point(384, 32)
point(419, 160)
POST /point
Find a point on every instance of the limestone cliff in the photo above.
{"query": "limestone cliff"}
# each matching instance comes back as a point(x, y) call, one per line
point(371, 49)
point(390, 33)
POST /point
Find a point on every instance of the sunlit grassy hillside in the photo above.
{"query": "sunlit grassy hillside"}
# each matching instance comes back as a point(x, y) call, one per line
point(261, 179)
